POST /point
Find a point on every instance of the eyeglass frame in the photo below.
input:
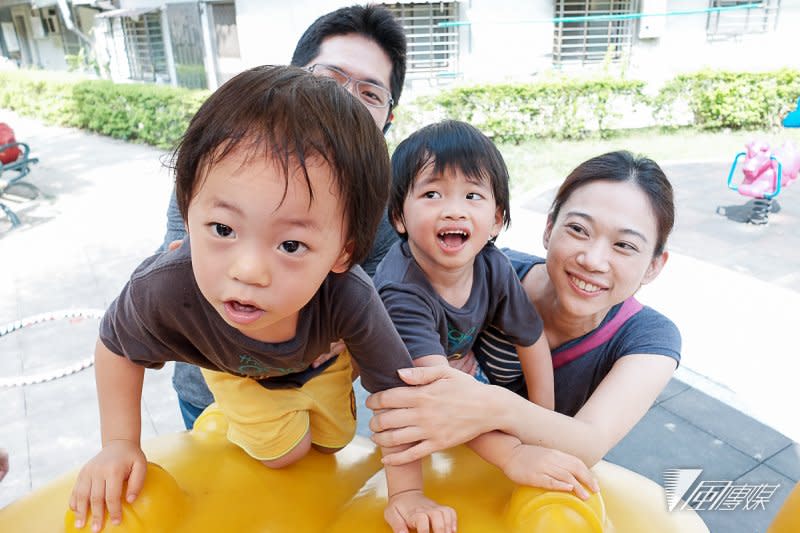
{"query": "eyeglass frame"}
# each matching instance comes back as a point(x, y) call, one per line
point(390, 103)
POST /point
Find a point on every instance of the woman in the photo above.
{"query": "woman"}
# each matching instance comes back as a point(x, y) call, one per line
point(605, 237)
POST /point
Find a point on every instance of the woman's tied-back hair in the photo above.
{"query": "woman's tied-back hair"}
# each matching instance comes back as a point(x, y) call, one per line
point(623, 166)
point(448, 145)
point(289, 116)
point(374, 22)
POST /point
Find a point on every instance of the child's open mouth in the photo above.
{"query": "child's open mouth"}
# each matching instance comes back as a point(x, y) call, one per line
point(242, 313)
point(453, 238)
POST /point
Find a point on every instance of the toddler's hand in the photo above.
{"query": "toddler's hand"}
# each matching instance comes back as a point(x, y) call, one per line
point(467, 364)
point(337, 347)
point(100, 481)
point(174, 245)
point(411, 509)
point(549, 469)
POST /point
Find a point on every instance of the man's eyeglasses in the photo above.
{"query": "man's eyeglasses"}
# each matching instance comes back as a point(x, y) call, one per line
point(371, 94)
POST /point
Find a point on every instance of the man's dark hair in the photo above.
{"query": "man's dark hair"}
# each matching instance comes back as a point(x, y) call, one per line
point(448, 145)
point(374, 22)
point(288, 115)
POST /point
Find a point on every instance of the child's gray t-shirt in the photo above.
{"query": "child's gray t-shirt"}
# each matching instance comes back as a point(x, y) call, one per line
point(431, 326)
point(162, 316)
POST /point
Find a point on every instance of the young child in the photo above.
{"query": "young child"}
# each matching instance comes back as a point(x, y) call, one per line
point(282, 180)
point(445, 281)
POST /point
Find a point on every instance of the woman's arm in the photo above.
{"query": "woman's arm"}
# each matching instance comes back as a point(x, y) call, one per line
point(448, 408)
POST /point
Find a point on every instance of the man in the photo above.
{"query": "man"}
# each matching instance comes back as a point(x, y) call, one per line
point(364, 49)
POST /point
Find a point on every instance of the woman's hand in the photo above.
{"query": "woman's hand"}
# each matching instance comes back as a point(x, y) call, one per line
point(446, 408)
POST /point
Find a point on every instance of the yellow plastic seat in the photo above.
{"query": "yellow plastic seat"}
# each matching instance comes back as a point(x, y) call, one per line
point(199, 482)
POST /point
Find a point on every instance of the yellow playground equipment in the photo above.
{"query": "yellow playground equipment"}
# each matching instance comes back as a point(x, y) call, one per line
point(199, 482)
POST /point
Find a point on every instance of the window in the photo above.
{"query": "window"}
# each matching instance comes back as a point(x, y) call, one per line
point(432, 49)
point(187, 45)
point(731, 22)
point(144, 47)
point(586, 40)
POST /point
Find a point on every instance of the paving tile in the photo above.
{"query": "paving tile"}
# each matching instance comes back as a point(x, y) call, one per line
point(663, 440)
point(673, 388)
point(41, 297)
point(13, 402)
point(727, 424)
point(55, 345)
point(65, 396)
point(161, 401)
point(59, 443)
point(756, 520)
point(10, 355)
point(787, 462)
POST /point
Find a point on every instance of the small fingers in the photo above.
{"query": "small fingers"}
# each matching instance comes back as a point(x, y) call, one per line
point(97, 499)
point(421, 522)
point(551, 483)
point(112, 499)
point(580, 474)
point(136, 480)
point(443, 520)
point(438, 521)
point(395, 521)
point(79, 502)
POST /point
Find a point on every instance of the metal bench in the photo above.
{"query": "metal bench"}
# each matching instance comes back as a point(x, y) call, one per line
point(12, 176)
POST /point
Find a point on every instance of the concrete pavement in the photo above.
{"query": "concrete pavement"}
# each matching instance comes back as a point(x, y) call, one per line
point(732, 289)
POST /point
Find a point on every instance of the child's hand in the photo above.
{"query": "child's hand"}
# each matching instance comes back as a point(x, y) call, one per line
point(411, 509)
point(467, 364)
point(549, 469)
point(100, 481)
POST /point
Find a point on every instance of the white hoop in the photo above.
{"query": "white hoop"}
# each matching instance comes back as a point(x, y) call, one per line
point(41, 377)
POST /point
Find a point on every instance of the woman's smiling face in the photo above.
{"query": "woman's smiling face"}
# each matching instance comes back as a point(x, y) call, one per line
point(600, 247)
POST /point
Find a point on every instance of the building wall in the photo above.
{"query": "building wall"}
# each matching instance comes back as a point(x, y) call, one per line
point(270, 29)
point(684, 47)
point(507, 39)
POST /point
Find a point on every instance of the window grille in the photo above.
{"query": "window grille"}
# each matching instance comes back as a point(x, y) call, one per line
point(592, 41)
point(432, 49)
point(736, 22)
point(144, 47)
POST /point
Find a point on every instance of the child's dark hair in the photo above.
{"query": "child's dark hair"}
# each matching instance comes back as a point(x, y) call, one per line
point(449, 144)
point(374, 22)
point(288, 115)
point(623, 166)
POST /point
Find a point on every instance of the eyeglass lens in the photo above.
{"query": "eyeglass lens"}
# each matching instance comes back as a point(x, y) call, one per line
point(369, 93)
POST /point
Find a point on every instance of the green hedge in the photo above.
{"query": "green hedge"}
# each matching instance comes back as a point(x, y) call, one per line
point(735, 100)
point(561, 108)
point(152, 114)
